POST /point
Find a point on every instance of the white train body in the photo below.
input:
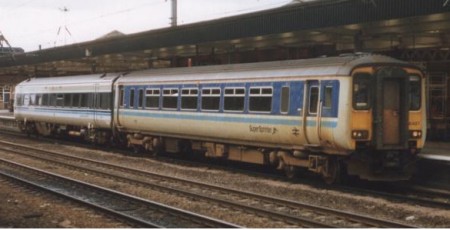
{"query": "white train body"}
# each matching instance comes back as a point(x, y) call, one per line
point(270, 128)
point(79, 101)
point(362, 113)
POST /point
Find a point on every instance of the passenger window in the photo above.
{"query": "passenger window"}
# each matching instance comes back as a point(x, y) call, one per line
point(26, 99)
point(45, 100)
point(60, 100)
point(105, 101)
point(361, 91)
point(313, 99)
point(32, 99)
point(189, 98)
point(84, 100)
point(76, 100)
point(52, 101)
point(98, 98)
point(170, 98)
point(141, 98)
point(38, 99)
point(260, 99)
point(91, 100)
point(210, 99)
point(414, 92)
point(131, 98)
point(152, 98)
point(328, 97)
point(285, 99)
point(234, 99)
point(68, 100)
point(19, 100)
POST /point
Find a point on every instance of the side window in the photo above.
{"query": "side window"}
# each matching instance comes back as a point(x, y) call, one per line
point(313, 99)
point(170, 98)
point(45, 100)
point(84, 97)
point(285, 99)
point(60, 100)
point(361, 91)
point(98, 98)
point(52, 101)
point(152, 98)
point(76, 100)
point(328, 97)
point(26, 99)
point(189, 98)
point(211, 99)
point(105, 101)
point(141, 98)
point(38, 99)
point(121, 96)
point(68, 100)
point(234, 99)
point(19, 99)
point(260, 99)
point(131, 102)
point(32, 99)
point(91, 97)
point(415, 90)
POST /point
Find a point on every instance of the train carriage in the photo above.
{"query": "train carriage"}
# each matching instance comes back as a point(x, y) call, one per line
point(365, 114)
point(77, 105)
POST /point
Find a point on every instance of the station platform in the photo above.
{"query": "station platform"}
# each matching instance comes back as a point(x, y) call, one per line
point(6, 114)
point(439, 151)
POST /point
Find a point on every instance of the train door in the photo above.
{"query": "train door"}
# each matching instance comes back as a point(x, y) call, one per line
point(96, 105)
point(391, 108)
point(311, 113)
point(119, 102)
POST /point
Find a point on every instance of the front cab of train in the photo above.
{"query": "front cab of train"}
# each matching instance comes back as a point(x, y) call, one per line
point(388, 122)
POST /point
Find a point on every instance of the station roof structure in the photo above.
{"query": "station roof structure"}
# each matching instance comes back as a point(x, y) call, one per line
point(344, 25)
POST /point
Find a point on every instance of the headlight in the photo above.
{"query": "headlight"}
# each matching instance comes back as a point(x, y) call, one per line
point(415, 134)
point(360, 134)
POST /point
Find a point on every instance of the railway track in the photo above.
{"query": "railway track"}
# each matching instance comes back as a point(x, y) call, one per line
point(291, 213)
point(432, 195)
point(139, 212)
point(414, 194)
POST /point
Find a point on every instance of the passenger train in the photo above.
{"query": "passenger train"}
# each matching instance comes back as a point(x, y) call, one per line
point(362, 115)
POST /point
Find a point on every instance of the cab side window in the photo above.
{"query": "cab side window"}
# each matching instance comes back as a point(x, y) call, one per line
point(362, 94)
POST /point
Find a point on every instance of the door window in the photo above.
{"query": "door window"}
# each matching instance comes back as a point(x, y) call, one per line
point(313, 99)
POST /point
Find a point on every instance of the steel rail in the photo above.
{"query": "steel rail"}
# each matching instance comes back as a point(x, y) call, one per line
point(367, 221)
point(113, 202)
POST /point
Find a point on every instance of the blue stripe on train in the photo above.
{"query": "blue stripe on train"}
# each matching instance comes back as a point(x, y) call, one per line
point(230, 119)
point(65, 111)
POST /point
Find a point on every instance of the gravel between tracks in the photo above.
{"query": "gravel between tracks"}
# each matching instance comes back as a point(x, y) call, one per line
point(25, 208)
point(12, 214)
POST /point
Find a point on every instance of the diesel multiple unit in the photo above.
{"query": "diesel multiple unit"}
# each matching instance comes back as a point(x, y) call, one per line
point(359, 114)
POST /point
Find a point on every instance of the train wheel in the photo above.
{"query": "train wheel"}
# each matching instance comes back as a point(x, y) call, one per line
point(158, 148)
point(334, 175)
point(290, 171)
point(137, 149)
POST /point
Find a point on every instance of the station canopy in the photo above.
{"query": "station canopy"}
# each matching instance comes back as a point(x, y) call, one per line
point(411, 29)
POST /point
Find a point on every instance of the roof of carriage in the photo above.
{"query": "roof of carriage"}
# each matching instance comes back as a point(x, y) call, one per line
point(73, 80)
point(320, 67)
